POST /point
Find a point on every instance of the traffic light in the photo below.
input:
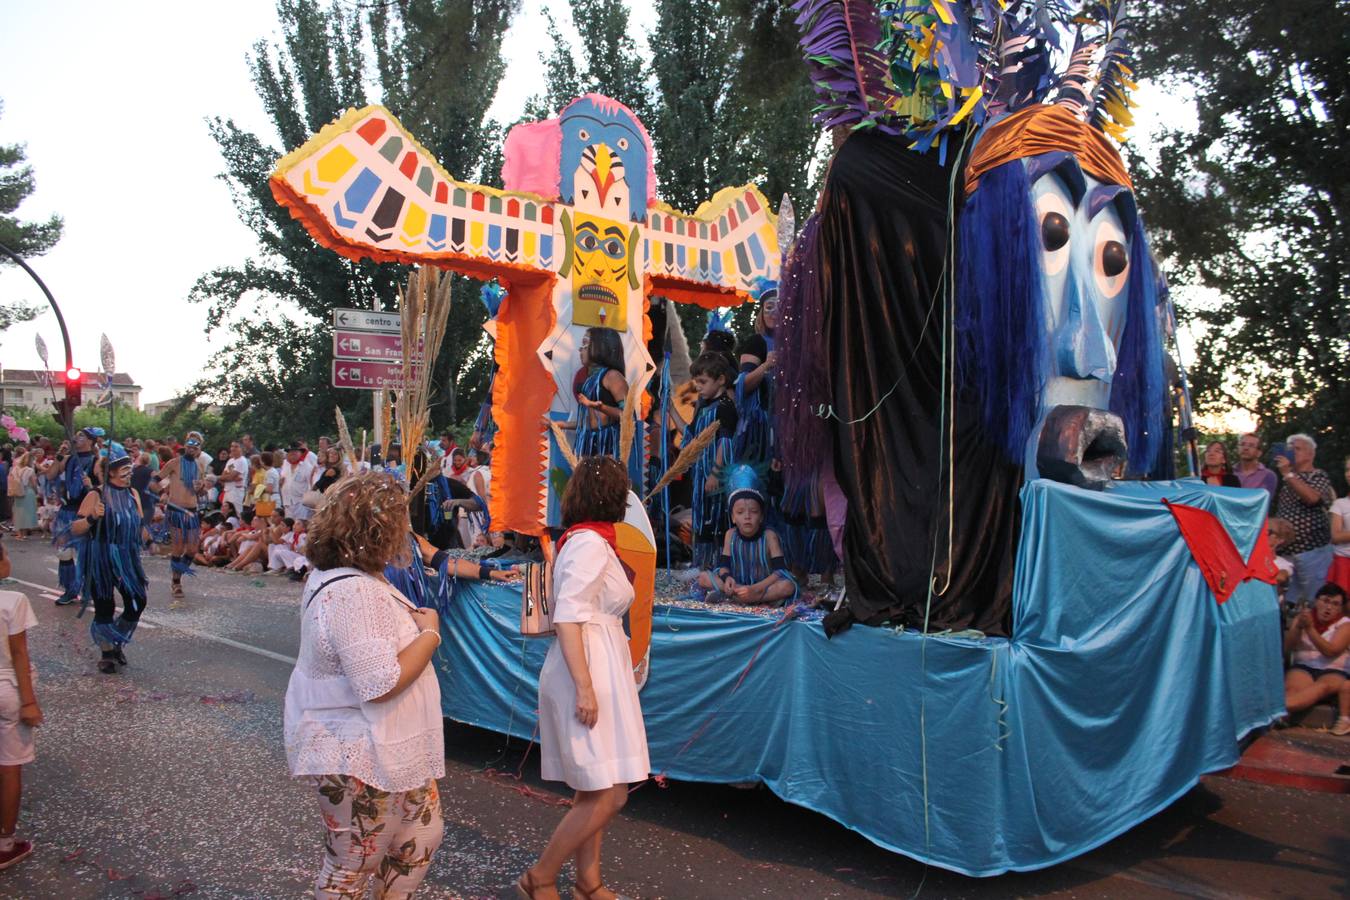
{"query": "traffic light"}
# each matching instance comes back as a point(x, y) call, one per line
point(74, 388)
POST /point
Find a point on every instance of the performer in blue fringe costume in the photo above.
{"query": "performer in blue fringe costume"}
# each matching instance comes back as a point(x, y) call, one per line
point(186, 484)
point(713, 378)
point(751, 569)
point(754, 385)
point(602, 393)
point(76, 476)
point(110, 557)
point(428, 580)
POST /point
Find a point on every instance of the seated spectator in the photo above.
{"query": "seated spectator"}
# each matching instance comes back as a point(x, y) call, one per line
point(214, 549)
point(1317, 641)
point(1216, 470)
point(250, 546)
point(289, 554)
point(1279, 533)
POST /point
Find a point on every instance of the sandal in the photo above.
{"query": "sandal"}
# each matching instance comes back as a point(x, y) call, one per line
point(581, 893)
point(525, 886)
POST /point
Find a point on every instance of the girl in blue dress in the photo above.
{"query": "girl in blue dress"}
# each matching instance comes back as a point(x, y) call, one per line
point(751, 569)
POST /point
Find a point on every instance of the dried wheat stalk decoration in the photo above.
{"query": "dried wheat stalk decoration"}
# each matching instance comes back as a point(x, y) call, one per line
point(424, 305)
point(345, 441)
point(688, 456)
point(632, 412)
point(564, 445)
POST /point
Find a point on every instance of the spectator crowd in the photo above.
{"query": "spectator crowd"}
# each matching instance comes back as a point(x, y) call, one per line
point(256, 501)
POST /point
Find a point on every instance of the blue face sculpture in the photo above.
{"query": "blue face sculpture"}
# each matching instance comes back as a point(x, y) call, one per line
point(1056, 319)
point(1084, 229)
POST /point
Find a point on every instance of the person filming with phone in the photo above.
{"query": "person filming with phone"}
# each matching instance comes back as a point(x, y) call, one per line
point(1304, 498)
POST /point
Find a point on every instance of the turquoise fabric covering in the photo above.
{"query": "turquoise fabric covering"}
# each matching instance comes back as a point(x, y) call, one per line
point(1123, 683)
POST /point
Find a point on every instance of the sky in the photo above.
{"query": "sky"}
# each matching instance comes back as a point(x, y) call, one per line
point(112, 101)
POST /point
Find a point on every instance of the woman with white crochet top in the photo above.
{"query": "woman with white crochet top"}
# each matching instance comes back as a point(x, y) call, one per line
point(363, 708)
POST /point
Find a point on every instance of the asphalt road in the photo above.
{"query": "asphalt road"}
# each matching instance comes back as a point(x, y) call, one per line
point(169, 779)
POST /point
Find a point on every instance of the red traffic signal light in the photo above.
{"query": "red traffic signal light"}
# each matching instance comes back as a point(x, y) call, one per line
point(74, 389)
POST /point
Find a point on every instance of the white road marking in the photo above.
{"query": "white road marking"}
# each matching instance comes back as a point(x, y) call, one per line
point(48, 592)
point(147, 622)
point(238, 645)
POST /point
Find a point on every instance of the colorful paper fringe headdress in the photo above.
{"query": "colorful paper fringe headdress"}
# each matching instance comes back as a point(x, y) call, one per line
point(925, 67)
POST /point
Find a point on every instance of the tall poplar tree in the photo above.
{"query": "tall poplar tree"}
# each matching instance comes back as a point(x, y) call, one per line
point(436, 66)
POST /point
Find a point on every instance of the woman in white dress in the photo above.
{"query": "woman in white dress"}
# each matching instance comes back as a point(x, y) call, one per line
point(363, 707)
point(591, 733)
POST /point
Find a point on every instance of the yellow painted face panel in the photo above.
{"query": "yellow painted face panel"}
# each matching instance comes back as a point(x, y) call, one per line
point(600, 260)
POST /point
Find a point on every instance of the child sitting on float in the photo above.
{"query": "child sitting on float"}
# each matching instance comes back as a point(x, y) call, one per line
point(751, 570)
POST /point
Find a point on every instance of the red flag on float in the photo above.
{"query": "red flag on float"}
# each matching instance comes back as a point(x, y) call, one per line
point(1215, 553)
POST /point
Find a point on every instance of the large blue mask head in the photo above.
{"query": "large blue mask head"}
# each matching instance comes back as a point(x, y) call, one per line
point(1056, 315)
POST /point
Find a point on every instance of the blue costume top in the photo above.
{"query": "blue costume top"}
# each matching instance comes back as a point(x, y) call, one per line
point(710, 509)
point(749, 561)
point(602, 439)
point(110, 559)
point(414, 583)
point(754, 430)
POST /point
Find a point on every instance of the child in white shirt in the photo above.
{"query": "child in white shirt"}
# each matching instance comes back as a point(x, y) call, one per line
point(19, 715)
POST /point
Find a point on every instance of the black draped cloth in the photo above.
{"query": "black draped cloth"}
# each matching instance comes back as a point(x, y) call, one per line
point(883, 227)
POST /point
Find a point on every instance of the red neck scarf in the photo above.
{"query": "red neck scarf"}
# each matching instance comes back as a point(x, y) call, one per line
point(606, 531)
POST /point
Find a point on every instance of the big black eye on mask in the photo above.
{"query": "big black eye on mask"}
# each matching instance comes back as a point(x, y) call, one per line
point(1054, 231)
point(1114, 258)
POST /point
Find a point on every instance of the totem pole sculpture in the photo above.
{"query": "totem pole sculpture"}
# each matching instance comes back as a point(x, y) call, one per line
point(577, 238)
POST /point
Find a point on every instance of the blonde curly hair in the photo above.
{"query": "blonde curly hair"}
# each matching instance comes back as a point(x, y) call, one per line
point(362, 523)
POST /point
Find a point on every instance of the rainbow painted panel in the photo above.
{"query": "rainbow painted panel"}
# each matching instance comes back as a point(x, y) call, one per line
point(730, 242)
point(374, 185)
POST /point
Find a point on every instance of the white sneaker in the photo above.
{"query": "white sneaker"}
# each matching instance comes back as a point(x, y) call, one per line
point(1342, 726)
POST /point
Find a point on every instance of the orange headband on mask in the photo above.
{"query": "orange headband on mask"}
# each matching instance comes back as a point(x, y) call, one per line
point(1041, 129)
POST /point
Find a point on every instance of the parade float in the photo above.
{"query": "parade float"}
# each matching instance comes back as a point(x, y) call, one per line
point(1045, 638)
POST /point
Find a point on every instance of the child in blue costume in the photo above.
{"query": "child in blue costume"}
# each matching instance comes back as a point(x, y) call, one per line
point(754, 387)
point(75, 478)
point(113, 527)
point(713, 378)
point(751, 569)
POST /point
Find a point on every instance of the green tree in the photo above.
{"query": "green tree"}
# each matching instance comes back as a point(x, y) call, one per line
point(436, 65)
point(24, 238)
point(1253, 204)
point(16, 185)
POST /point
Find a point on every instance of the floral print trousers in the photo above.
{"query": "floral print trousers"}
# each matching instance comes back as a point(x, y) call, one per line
point(377, 840)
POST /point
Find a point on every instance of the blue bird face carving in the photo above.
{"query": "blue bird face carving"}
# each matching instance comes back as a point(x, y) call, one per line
point(604, 160)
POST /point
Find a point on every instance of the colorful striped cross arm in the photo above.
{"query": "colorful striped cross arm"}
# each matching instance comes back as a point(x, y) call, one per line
point(716, 256)
point(365, 188)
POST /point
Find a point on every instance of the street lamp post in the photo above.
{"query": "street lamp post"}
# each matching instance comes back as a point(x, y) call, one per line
point(60, 320)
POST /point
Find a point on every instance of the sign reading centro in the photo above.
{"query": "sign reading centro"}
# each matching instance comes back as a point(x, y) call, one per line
point(367, 320)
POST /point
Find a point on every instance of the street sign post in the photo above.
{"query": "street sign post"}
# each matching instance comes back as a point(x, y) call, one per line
point(366, 375)
point(367, 345)
point(367, 320)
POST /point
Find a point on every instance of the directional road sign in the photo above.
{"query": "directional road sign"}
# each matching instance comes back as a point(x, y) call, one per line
point(367, 345)
point(366, 375)
point(367, 320)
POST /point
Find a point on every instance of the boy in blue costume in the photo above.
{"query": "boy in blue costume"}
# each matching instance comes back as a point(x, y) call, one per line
point(75, 475)
point(713, 377)
point(751, 569)
point(111, 525)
